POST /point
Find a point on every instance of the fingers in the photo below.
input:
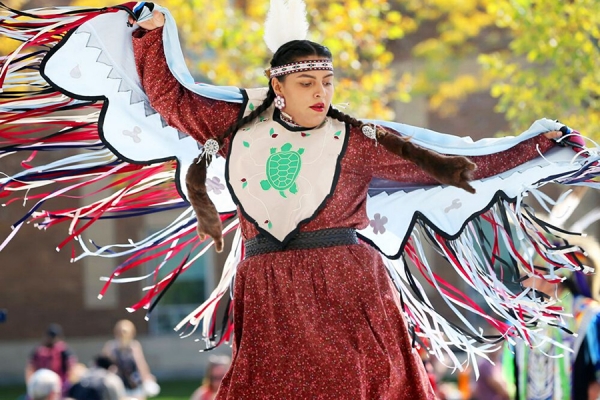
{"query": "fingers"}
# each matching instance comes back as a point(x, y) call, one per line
point(553, 134)
point(157, 21)
point(158, 18)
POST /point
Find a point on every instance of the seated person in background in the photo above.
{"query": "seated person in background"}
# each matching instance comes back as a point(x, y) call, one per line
point(100, 382)
point(129, 358)
point(44, 384)
point(215, 371)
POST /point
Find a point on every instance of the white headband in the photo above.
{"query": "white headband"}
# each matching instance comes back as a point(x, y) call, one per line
point(306, 65)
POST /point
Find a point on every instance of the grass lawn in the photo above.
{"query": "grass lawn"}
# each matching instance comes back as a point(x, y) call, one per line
point(177, 390)
point(169, 390)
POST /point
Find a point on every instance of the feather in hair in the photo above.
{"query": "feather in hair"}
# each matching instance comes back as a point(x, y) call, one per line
point(286, 21)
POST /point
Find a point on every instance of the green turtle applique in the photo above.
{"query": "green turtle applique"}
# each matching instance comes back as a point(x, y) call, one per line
point(283, 168)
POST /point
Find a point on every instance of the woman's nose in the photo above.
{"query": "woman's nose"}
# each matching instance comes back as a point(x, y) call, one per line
point(320, 91)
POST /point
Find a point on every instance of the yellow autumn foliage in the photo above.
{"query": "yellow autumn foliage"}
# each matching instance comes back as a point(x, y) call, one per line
point(223, 43)
point(8, 45)
point(538, 57)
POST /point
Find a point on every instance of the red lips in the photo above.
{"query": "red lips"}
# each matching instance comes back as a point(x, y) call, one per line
point(320, 107)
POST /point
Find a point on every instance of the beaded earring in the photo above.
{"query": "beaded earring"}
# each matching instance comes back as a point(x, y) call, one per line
point(279, 102)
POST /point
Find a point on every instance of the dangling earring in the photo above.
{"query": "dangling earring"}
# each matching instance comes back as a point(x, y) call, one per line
point(279, 102)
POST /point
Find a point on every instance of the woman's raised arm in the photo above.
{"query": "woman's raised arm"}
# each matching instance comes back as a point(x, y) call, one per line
point(200, 117)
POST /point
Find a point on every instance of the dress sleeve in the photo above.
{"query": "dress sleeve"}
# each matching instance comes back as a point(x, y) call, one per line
point(386, 165)
point(198, 116)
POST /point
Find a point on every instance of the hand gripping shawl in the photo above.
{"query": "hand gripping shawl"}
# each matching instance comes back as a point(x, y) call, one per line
point(72, 84)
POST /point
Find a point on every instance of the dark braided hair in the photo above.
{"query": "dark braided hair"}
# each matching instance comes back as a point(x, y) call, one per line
point(450, 170)
point(286, 54)
point(340, 116)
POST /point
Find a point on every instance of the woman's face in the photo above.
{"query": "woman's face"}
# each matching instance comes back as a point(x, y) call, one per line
point(307, 96)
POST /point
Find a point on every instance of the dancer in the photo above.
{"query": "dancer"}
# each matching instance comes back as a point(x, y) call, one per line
point(320, 286)
point(314, 311)
point(572, 370)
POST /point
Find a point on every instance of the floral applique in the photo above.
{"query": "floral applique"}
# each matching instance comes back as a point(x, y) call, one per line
point(378, 224)
point(214, 185)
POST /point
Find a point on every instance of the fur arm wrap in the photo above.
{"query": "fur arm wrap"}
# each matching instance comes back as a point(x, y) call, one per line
point(450, 170)
point(209, 222)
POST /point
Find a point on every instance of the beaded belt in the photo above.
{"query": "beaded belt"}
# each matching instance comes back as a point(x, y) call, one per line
point(303, 240)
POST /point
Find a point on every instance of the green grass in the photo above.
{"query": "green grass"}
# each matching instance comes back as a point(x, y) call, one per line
point(169, 390)
point(177, 390)
point(11, 392)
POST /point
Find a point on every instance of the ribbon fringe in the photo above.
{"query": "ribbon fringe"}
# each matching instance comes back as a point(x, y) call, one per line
point(494, 251)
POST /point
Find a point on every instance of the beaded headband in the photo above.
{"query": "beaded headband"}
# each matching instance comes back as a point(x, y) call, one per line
point(307, 65)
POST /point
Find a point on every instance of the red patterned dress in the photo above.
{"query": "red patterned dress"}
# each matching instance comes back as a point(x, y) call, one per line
point(317, 323)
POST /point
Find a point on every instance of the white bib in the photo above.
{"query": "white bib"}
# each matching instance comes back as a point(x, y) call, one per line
point(282, 176)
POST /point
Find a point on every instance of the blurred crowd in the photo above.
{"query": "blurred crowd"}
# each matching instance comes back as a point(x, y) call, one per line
point(463, 385)
point(118, 372)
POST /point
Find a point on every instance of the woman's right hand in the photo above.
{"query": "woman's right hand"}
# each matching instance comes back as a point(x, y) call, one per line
point(157, 21)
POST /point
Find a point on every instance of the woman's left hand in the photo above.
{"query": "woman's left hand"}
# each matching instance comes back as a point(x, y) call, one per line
point(553, 134)
point(573, 138)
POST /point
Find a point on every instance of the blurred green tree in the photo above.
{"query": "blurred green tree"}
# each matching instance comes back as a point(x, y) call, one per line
point(538, 57)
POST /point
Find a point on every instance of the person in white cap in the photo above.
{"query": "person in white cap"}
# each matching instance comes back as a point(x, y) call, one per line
point(44, 384)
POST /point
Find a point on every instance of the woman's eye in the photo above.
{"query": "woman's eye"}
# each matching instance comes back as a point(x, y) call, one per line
point(328, 83)
point(305, 84)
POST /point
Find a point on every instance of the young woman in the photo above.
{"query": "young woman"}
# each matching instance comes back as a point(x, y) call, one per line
point(315, 315)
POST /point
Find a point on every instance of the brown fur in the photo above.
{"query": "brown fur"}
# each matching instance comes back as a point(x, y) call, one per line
point(451, 170)
point(209, 222)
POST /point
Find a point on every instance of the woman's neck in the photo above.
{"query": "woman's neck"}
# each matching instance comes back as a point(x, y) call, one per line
point(288, 119)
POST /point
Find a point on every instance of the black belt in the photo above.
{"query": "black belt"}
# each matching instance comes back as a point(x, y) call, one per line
point(303, 240)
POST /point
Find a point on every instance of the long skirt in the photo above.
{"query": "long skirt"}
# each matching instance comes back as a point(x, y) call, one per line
point(321, 324)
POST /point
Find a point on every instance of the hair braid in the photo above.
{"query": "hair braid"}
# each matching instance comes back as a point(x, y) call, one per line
point(340, 116)
point(453, 170)
point(209, 222)
point(250, 117)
